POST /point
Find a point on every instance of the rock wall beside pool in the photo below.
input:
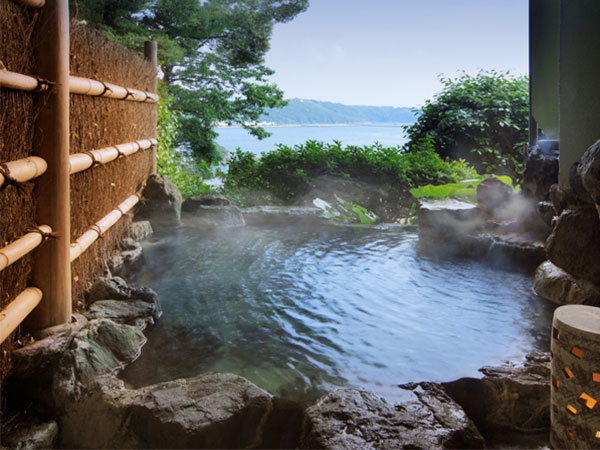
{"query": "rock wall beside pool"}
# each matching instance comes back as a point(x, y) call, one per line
point(572, 273)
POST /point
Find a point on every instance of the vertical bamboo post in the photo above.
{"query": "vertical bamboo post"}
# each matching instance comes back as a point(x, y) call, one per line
point(151, 54)
point(52, 267)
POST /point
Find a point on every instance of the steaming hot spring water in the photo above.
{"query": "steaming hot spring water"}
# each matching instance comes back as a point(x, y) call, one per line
point(300, 311)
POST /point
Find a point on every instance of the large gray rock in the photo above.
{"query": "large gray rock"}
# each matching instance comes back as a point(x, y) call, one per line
point(131, 312)
point(493, 195)
point(192, 203)
point(265, 215)
point(574, 244)
point(577, 187)
point(513, 250)
point(116, 288)
point(513, 397)
point(547, 212)
point(50, 343)
point(204, 216)
point(109, 288)
point(207, 411)
point(589, 171)
point(140, 230)
point(355, 419)
point(112, 298)
point(541, 170)
point(57, 371)
point(162, 204)
point(556, 285)
point(102, 347)
point(28, 434)
point(518, 249)
point(131, 253)
point(563, 199)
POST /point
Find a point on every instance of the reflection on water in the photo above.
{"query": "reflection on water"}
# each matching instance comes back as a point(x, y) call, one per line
point(299, 311)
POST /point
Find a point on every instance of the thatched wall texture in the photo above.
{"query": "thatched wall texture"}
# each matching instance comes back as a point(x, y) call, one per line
point(17, 115)
point(95, 123)
point(98, 122)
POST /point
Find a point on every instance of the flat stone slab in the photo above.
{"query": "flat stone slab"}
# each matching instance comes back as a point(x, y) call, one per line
point(264, 215)
point(515, 249)
point(131, 312)
point(448, 217)
point(446, 204)
point(208, 216)
point(192, 203)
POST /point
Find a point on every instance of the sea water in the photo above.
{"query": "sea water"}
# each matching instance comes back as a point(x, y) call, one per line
point(388, 135)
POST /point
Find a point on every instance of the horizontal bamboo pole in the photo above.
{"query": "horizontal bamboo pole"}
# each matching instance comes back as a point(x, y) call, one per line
point(100, 227)
point(77, 85)
point(31, 3)
point(25, 169)
point(16, 311)
point(86, 86)
point(79, 162)
point(14, 80)
point(22, 246)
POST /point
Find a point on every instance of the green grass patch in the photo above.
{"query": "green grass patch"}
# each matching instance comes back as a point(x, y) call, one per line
point(465, 190)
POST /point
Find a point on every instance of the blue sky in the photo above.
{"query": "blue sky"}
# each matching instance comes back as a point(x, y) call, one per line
point(389, 52)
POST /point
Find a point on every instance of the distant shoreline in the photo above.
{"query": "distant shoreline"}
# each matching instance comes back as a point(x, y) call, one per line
point(296, 125)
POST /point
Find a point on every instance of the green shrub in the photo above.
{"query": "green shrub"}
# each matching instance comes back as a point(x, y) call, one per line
point(481, 118)
point(286, 171)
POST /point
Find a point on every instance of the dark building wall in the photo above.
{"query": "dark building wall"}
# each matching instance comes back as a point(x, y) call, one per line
point(579, 80)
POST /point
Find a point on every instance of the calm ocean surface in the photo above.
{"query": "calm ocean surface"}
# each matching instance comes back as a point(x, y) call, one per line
point(387, 135)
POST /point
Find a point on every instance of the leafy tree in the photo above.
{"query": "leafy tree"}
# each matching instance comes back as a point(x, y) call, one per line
point(211, 54)
point(188, 177)
point(481, 118)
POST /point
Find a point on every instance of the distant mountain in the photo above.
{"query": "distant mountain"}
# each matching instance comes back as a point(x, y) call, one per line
point(300, 111)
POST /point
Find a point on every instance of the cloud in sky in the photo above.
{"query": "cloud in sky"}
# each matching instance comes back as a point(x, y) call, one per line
point(390, 52)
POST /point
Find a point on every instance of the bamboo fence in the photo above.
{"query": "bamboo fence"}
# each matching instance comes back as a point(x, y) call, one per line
point(57, 159)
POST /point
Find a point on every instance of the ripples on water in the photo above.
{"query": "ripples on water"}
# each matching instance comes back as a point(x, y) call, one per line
point(299, 311)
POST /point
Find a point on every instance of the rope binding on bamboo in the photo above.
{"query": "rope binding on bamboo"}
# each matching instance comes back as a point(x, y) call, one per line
point(131, 94)
point(8, 180)
point(120, 152)
point(45, 234)
point(95, 161)
point(42, 84)
point(106, 89)
point(95, 227)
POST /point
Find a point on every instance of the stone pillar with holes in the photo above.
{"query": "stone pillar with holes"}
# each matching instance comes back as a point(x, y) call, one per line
point(575, 395)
